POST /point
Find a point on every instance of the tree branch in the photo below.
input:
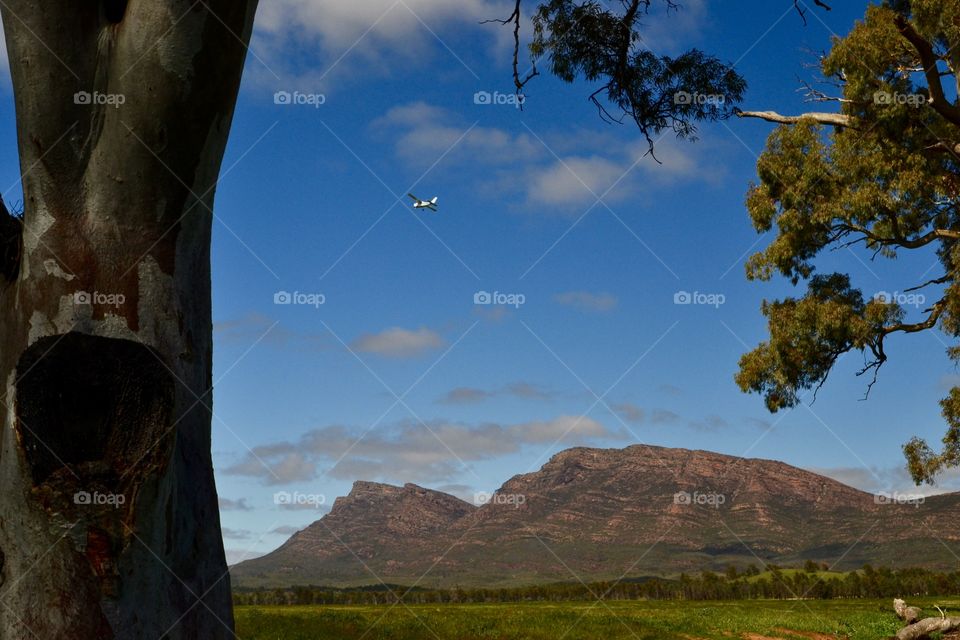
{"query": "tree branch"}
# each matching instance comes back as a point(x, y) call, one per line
point(802, 11)
point(931, 321)
point(915, 243)
point(832, 119)
point(514, 18)
point(925, 627)
point(928, 59)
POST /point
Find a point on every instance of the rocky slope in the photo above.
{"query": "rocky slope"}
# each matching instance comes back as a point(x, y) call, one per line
point(603, 513)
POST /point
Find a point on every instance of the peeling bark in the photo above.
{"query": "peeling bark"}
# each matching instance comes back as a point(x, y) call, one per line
point(109, 526)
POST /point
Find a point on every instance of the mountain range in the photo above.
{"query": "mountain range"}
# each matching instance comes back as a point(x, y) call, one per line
point(599, 514)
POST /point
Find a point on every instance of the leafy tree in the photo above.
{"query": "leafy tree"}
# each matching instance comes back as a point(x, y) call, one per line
point(881, 172)
point(591, 41)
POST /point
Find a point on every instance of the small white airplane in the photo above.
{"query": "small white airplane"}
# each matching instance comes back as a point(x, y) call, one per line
point(424, 204)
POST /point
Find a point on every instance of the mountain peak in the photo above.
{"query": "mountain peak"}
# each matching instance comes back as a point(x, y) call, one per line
point(641, 510)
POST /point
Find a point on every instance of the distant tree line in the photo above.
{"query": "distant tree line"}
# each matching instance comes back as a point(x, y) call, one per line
point(812, 581)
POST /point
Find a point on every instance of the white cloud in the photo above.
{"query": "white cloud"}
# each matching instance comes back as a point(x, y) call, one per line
point(315, 41)
point(407, 451)
point(383, 25)
point(587, 301)
point(226, 504)
point(422, 132)
point(552, 172)
point(472, 395)
point(574, 179)
point(322, 43)
point(890, 480)
point(397, 342)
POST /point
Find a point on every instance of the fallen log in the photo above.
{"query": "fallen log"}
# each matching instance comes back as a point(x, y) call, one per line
point(918, 629)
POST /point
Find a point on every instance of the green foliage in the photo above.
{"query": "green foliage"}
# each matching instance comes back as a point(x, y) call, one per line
point(773, 583)
point(808, 334)
point(588, 40)
point(888, 179)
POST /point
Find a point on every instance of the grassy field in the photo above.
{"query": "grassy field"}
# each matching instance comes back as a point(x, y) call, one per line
point(748, 620)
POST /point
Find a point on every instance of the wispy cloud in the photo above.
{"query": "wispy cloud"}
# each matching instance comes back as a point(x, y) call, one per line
point(257, 328)
point(464, 395)
point(226, 504)
point(408, 451)
point(397, 342)
point(322, 44)
point(890, 480)
point(587, 301)
point(630, 412)
point(473, 395)
point(235, 534)
point(286, 530)
point(664, 417)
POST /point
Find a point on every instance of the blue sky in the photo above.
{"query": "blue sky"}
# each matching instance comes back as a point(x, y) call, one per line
point(399, 376)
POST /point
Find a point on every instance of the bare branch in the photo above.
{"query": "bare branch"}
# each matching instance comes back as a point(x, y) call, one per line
point(930, 322)
point(803, 12)
point(518, 82)
point(815, 95)
point(832, 119)
point(940, 280)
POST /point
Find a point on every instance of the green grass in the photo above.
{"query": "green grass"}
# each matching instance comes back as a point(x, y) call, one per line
point(662, 620)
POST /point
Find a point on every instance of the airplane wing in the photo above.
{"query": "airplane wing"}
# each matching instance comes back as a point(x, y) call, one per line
point(415, 198)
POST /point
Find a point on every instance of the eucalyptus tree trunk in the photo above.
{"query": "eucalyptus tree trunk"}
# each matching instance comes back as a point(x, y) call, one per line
point(108, 511)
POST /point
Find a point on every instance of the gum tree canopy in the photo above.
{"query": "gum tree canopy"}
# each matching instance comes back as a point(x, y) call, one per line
point(592, 41)
point(109, 526)
point(882, 173)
